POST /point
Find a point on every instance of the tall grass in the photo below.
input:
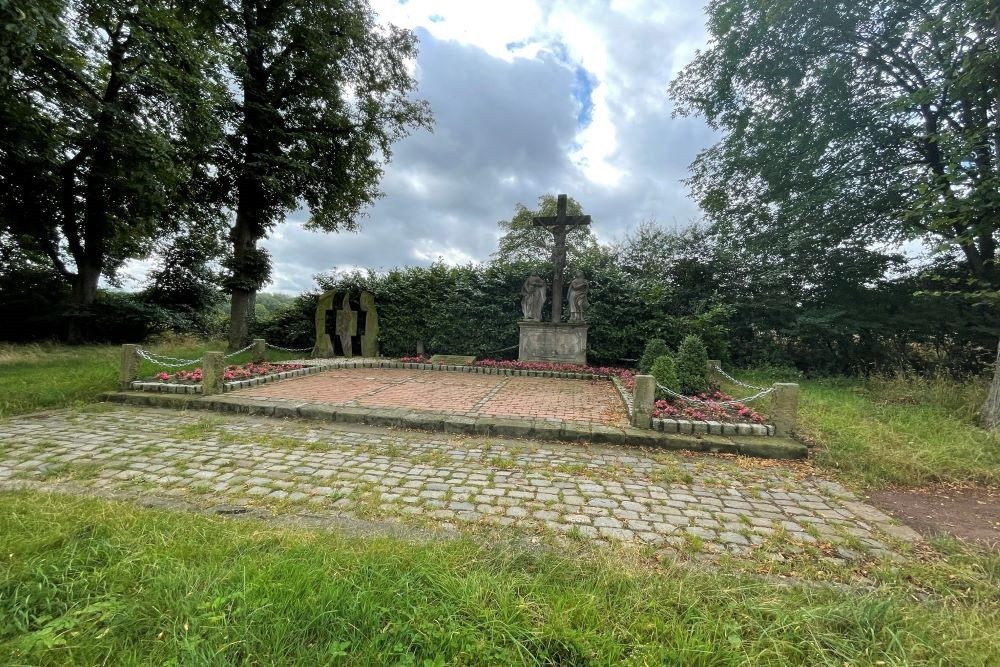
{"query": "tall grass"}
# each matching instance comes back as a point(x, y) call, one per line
point(86, 582)
point(901, 430)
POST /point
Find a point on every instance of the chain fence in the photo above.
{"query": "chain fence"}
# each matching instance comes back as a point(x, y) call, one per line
point(734, 401)
point(290, 349)
point(165, 361)
point(233, 354)
point(718, 369)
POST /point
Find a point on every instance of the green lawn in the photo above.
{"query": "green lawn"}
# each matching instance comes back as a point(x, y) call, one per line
point(86, 582)
point(43, 376)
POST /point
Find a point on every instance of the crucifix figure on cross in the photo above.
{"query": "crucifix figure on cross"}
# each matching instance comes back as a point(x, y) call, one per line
point(557, 224)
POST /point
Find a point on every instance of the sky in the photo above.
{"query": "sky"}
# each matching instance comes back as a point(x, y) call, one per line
point(529, 97)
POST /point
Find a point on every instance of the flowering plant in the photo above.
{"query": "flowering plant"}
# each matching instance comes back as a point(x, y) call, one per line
point(715, 406)
point(417, 359)
point(230, 373)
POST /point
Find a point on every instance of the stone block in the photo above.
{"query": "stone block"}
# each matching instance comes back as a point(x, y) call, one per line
point(772, 448)
point(784, 408)
point(258, 352)
point(601, 434)
point(212, 366)
point(643, 399)
point(452, 359)
point(564, 342)
point(128, 372)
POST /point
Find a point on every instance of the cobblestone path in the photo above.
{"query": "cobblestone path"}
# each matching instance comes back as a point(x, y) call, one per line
point(705, 503)
point(470, 395)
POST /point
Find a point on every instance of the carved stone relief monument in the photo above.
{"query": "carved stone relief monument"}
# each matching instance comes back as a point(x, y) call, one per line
point(348, 331)
point(556, 340)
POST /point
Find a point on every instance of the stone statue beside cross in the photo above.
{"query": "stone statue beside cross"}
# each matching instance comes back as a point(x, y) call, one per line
point(559, 225)
point(555, 340)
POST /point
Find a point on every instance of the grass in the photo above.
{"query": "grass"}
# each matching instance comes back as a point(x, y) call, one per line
point(87, 582)
point(43, 376)
point(902, 431)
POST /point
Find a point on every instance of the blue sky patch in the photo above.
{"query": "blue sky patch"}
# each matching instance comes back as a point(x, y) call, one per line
point(583, 87)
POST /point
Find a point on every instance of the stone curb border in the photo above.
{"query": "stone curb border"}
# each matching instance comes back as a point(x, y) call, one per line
point(682, 426)
point(167, 388)
point(690, 426)
point(539, 429)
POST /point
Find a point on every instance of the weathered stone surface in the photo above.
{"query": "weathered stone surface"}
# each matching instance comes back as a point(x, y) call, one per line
point(772, 448)
point(128, 371)
point(454, 359)
point(784, 408)
point(212, 366)
point(643, 400)
point(564, 342)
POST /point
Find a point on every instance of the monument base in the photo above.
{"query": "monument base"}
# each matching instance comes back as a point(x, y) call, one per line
point(563, 342)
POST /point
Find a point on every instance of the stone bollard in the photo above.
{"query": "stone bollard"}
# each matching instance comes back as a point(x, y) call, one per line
point(642, 401)
point(129, 371)
point(714, 379)
point(784, 406)
point(212, 366)
point(258, 352)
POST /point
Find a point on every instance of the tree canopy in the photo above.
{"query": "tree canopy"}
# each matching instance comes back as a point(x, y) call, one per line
point(319, 93)
point(105, 125)
point(850, 125)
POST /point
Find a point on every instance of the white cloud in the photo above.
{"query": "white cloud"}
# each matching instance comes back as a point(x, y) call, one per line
point(509, 84)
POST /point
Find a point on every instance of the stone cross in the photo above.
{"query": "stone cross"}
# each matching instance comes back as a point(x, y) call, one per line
point(557, 225)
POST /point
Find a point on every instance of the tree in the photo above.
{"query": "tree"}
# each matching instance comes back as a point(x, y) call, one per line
point(523, 241)
point(105, 123)
point(319, 93)
point(184, 281)
point(850, 125)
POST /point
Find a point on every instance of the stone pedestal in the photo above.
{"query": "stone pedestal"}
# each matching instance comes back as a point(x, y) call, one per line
point(564, 342)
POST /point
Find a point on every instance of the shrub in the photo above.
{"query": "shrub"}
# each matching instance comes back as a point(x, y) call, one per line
point(692, 366)
point(665, 372)
point(655, 348)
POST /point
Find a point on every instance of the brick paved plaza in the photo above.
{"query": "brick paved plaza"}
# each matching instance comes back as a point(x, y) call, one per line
point(469, 395)
point(615, 494)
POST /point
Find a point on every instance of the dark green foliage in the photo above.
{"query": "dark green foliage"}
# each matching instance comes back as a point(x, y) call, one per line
point(318, 93)
point(665, 371)
point(184, 283)
point(692, 366)
point(104, 127)
point(655, 349)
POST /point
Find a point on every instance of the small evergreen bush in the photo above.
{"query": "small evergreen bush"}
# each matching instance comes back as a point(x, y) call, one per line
point(655, 349)
point(692, 366)
point(665, 372)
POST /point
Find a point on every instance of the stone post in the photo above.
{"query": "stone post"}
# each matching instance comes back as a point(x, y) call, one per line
point(212, 366)
point(642, 401)
point(714, 379)
point(258, 352)
point(129, 371)
point(784, 406)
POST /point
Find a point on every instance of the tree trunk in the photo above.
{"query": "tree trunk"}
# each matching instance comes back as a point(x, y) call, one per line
point(240, 317)
point(989, 416)
point(84, 292)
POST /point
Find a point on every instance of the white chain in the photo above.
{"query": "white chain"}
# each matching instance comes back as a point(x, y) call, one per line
point(290, 349)
point(166, 362)
point(735, 401)
point(233, 354)
point(737, 382)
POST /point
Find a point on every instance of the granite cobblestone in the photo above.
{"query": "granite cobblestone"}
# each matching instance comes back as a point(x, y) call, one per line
point(607, 494)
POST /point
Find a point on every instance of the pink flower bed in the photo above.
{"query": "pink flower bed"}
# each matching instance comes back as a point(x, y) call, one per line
point(418, 359)
point(230, 374)
point(711, 408)
point(626, 376)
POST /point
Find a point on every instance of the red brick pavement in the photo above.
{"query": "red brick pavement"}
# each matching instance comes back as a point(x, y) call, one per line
point(454, 393)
